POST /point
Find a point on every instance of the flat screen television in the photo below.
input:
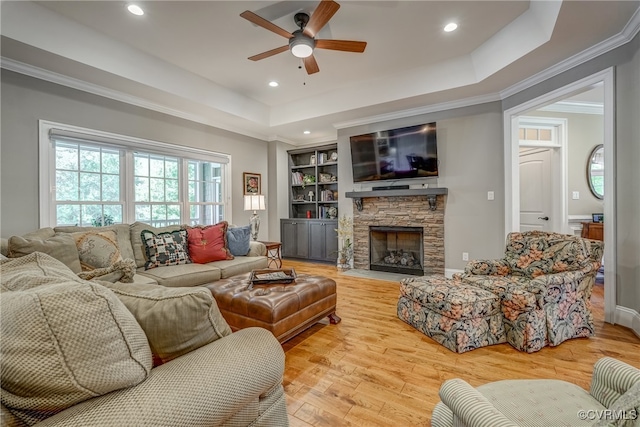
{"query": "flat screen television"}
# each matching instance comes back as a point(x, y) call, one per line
point(403, 153)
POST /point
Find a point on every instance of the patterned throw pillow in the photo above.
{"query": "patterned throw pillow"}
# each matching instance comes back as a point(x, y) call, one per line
point(97, 249)
point(209, 243)
point(164, 249)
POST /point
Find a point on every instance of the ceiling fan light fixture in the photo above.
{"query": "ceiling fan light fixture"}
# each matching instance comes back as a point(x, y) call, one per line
point(301, 46)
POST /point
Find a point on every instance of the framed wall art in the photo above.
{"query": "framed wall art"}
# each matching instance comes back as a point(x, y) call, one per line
point(252, 183)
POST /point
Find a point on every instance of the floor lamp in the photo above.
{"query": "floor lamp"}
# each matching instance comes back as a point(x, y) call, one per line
point(254, 202)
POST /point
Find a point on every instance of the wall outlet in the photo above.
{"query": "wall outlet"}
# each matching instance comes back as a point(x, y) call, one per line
point(491, 195)
point(465, 256)
point(575, 195)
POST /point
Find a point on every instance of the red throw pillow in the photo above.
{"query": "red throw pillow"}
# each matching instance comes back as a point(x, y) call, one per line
point(207, 244)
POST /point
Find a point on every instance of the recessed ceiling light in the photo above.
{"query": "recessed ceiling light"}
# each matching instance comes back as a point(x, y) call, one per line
point(307, 132)
point(450, 27)
point(274, 84)
point(135, 9)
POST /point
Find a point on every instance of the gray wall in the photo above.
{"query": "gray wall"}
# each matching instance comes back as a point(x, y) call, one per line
point(628, 180)
point(279, 187)
point(25, 100)
point(470, 153)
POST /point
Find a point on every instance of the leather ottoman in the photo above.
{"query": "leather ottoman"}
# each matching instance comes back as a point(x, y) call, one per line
point(284, 309)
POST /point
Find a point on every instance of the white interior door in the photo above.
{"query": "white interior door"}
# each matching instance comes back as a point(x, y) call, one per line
point(536, 200)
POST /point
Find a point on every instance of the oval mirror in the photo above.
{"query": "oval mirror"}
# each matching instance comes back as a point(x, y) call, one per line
point(595, 171)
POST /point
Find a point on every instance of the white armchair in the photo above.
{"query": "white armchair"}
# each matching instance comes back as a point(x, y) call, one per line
point(613, 400)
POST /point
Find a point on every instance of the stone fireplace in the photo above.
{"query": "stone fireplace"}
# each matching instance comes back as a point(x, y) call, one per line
point(396, 249)
point(419, 210)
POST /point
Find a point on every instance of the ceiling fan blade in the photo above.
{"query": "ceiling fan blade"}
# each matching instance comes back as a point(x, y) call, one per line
point(311, 65)
point(258, 20)
point(323, 13)
point(344, 45)
point(269, 53)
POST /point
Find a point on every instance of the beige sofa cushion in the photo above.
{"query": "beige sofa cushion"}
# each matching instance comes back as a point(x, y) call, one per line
point(175, 320)
point(61, 247)
point(121, 230)
point(240, 265)
point(64, 340)
point(183, 275)
point(136, 239)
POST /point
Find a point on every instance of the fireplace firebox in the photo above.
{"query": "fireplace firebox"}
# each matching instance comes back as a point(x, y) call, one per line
point(396, 249)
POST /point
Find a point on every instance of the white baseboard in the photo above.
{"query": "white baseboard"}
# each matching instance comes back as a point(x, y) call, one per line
point(628, 318)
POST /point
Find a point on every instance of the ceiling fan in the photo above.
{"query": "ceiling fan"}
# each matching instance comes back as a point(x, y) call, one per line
point(303, 41)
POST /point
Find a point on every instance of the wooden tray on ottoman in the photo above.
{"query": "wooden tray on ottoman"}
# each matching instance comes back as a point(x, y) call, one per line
point(269, 276)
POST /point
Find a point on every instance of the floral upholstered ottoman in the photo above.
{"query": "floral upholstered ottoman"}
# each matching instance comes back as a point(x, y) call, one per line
point(458, 316)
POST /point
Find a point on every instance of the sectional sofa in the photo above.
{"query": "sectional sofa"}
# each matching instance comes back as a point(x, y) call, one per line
point(78, 352)
point(62, 247)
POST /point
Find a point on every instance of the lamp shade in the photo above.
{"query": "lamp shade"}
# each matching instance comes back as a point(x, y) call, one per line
point(254, 202)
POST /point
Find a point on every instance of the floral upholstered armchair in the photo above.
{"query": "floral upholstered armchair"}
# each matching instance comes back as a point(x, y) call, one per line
point(544, 283)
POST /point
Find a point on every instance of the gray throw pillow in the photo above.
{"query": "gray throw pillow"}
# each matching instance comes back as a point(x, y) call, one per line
point(238, 239)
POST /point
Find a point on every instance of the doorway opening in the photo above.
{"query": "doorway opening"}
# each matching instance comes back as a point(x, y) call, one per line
point(512, 169)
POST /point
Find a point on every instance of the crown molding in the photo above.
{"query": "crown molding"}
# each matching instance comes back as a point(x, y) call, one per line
point(576, 107)
point(73, 83)
point(450, 105)
point(625, 36)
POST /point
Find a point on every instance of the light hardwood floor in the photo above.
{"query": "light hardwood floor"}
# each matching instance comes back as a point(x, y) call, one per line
point(372, 369)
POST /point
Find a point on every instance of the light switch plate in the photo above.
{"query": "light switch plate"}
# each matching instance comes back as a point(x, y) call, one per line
point(575, 195)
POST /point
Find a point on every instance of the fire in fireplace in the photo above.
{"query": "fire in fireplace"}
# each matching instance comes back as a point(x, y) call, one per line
point(396, 249)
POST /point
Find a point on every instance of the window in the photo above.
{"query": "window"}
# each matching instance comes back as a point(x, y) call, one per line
point(205, 192)
point(93, 178)
point(87, 184)
point(156, 182)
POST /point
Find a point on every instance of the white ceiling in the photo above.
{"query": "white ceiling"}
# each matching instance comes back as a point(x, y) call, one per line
point(189, 58)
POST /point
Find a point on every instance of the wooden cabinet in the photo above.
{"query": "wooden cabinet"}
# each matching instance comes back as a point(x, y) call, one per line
point(294, 235)
point(323, 240)
point(313, 182)
point(593, 230)
point(312, 239)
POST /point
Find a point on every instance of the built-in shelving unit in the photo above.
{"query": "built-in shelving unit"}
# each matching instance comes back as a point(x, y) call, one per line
point(313, 182)
point(310, 230)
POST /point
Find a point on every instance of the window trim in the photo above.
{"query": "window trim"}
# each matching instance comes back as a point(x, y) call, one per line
point(46, 162)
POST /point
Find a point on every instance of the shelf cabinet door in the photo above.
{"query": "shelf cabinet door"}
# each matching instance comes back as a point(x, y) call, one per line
point(323, 240)
point(295, 238)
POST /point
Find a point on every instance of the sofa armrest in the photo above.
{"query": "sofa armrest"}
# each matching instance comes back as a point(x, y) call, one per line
point(204, 387)
point(611, 379)
point(470, 407)
point(257, 249)
point(4, 246)
point(488, 267)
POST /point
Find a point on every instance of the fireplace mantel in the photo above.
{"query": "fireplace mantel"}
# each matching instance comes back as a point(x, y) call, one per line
point(431, 194)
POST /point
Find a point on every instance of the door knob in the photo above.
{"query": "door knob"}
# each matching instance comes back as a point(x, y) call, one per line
point(545, 218)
